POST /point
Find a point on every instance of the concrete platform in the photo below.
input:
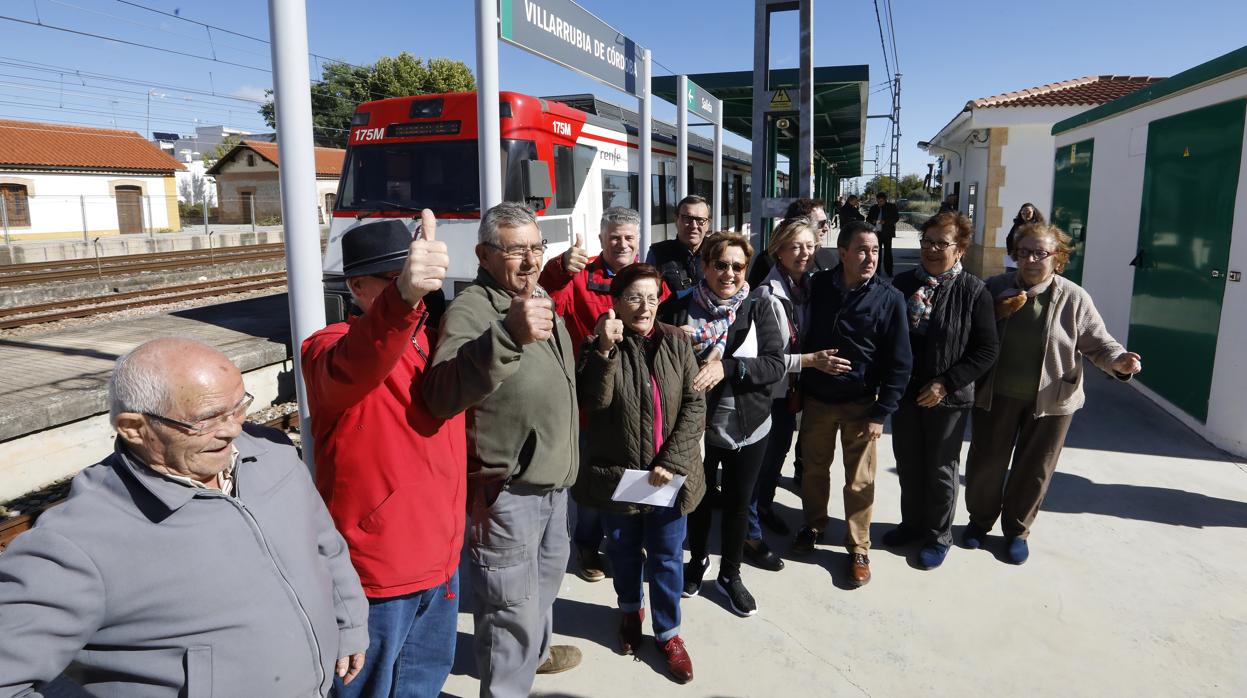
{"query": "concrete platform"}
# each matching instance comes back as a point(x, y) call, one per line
point(53, 387)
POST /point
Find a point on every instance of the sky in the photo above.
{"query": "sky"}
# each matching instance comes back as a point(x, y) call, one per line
point(948, 53)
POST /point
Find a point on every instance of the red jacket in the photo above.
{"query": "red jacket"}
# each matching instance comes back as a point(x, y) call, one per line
point(582, 299)
point(392, 475)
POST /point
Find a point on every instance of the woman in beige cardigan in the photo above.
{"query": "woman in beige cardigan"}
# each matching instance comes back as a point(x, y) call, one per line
point(1024, 405)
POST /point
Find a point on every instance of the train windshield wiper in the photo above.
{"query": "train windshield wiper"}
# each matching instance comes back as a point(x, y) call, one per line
point(385, 206)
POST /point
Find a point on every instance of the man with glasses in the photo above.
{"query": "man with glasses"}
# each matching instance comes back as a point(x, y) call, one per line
point(392, 474)
point(824, 257)
point(506, 358)
point(677, 259)
point(580, 288)
point(195, 559)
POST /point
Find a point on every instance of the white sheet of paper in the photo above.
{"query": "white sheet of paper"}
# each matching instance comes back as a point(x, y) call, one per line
point(634, 487)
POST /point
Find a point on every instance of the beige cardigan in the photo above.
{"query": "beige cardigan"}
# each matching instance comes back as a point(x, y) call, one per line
point(1074, 329)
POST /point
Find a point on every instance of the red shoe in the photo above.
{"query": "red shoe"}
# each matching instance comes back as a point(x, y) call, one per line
point(678, 664)
point(630, 631)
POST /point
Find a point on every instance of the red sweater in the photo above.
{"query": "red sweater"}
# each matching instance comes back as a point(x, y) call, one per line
point(582, 299)
point(392, 475)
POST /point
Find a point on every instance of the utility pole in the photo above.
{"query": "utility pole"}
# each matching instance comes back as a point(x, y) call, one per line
point(894, 159)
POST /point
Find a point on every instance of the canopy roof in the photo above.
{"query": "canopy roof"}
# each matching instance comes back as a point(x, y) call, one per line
point(839, 107)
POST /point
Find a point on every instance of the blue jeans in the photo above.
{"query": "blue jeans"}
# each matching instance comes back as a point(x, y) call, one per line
point(661, 533)
point(411, 644)
point(587, 534)
point(783, 425)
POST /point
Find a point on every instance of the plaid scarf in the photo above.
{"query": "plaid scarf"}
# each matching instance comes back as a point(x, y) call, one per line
point(921, 302)
point(713, 334)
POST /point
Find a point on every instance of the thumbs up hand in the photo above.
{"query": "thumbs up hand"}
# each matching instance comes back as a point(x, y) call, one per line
point(609, 331)
point(575, 258)
point(426, 265)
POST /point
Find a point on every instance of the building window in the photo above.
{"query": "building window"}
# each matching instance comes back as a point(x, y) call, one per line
point(13, 202)
point(250, 160)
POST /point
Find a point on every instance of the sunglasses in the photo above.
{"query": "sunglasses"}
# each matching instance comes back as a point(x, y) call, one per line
point(720, 265)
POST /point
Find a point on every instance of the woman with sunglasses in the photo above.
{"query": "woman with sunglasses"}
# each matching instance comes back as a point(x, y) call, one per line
point(741, 352)
point(952, 334)
point(635, 383)
point(1024, 405)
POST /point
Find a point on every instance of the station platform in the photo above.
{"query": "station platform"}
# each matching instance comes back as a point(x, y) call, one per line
point(53, 387)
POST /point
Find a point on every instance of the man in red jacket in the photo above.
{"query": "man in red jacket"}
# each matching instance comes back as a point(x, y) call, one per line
point(580, 289)
point(392, 474)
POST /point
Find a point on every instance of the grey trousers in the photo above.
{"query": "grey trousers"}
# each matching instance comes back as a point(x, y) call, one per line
point(518, 550)
point(927, 444)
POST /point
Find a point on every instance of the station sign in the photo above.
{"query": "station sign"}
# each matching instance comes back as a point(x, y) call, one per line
point(568, 34)
point(703, 103)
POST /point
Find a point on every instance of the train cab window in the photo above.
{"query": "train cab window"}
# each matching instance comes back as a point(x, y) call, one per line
point(515, 152)
point(571, 169)
point(619, 189)
point(441, 175)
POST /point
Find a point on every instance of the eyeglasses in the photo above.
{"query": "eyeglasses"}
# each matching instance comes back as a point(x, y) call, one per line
point(1027, 253)
point(520, 251)
point(694, 220)
point(720, 265)
point(937, 245)
point(208, 424)
point(823, 225)
point(635, 300)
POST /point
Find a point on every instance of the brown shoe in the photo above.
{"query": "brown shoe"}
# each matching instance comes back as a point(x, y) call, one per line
point(630, 631)
point(859, 569)
point(678, 663)
point(562, 658)
point(591, 568)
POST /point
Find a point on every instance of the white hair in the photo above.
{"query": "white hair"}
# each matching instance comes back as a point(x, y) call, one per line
point(619, 215)
point(138, 382)
point(508, 214)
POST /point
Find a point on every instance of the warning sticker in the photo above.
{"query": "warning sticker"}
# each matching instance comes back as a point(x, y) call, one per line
point(780, 100)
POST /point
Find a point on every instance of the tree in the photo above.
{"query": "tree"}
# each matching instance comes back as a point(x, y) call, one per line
point(910, 187)
point(221, 150)
point(193, 189)
point(342, 87)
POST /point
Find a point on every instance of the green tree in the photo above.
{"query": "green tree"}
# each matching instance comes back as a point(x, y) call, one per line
point(342, 87)
point(910, 187)
point(221, 150)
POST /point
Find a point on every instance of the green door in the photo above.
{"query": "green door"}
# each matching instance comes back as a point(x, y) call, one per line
point(1189, 185)
point(1071, 196)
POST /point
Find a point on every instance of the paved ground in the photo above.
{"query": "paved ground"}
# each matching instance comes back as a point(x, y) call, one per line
point(1135, 587)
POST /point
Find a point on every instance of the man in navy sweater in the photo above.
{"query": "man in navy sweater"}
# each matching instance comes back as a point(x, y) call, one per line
point(862, 318)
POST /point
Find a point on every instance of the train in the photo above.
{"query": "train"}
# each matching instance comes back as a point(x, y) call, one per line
point(569, 157)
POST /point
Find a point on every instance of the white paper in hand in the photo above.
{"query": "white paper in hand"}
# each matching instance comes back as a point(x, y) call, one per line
point(634, 487)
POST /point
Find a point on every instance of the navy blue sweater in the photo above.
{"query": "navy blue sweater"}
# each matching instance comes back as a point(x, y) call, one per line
point(867, 326)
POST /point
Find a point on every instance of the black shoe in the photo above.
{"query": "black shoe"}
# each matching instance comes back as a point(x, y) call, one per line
point(760, 555)
point(900, 536)
point(738, 597)
point(805, 540)
point(694, 572)
point(771, 520)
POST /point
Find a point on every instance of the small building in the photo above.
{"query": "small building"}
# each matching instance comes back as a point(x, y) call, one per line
point(60, 181)
point(996, 151)
point(1157, 184)
point(247, 176)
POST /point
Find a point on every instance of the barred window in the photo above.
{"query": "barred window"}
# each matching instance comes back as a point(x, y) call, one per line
point(13, 200)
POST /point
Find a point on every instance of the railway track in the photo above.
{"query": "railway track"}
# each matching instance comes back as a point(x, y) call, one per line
point(22, 316)
point(38, 272)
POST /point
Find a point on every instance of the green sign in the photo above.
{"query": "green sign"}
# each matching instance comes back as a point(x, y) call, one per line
point(566, 33)
point(703, 103)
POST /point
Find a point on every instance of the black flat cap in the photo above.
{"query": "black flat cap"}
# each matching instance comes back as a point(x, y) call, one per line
point(376, 247)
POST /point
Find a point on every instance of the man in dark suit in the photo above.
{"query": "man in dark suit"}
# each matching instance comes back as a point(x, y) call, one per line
point(884, 216)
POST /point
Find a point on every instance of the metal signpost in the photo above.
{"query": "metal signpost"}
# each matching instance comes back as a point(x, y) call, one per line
point(565, 33)
point(690, 96)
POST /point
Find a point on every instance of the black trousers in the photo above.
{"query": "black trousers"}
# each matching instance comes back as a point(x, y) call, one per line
point(740, 473)
point(885, 253)
point(927, 444)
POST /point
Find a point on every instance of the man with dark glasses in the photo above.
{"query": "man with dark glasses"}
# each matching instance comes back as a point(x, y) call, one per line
point(677, 259)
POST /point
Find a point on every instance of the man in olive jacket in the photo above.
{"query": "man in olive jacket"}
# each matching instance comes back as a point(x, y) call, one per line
point(506, 359)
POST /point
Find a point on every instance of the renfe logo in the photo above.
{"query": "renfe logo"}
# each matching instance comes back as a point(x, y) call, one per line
point(563, 129)
point(369, 134)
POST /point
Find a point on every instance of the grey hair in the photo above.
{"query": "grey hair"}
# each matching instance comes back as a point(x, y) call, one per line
point(508, 214)
point(135, 387)
point(619, 215)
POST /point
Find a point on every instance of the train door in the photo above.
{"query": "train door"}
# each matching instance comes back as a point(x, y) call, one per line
point(1189, 184)
point(1071, 198)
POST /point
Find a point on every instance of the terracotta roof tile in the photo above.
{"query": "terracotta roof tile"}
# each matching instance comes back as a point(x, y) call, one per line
point(38, 145)
point(1088, 91)
point(328, 160)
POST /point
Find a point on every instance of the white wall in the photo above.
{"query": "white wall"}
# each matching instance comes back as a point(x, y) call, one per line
point(59, 201)
point(1028, 163)
point(1113, 224)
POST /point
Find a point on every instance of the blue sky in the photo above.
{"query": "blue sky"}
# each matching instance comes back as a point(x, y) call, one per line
point(948, 53)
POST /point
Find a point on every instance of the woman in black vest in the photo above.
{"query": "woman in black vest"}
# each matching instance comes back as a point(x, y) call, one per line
point(952, 332)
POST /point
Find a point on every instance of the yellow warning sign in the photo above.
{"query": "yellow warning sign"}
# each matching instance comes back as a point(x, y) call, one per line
point(780, 100)
point(1186, 152)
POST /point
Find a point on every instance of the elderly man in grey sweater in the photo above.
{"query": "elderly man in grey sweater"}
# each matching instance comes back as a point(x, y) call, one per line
point(197, 559)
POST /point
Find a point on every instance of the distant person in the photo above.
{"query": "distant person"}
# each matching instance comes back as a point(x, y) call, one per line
point(635, 381)
point(677, 260)
point(952, 334)
point(506, 358)
point(1026, 215)
point(580, 289)
point(884, 216)
point(1047, 324)
point(738, 346)
point(862, 319)
point(824, 257)
point(393, 476)
point(949, 204)
point(835, 211)
point(197, 559)
point(851, 211)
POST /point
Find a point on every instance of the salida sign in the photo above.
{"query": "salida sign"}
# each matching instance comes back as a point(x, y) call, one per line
point(566, 33)
point(703, 103)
